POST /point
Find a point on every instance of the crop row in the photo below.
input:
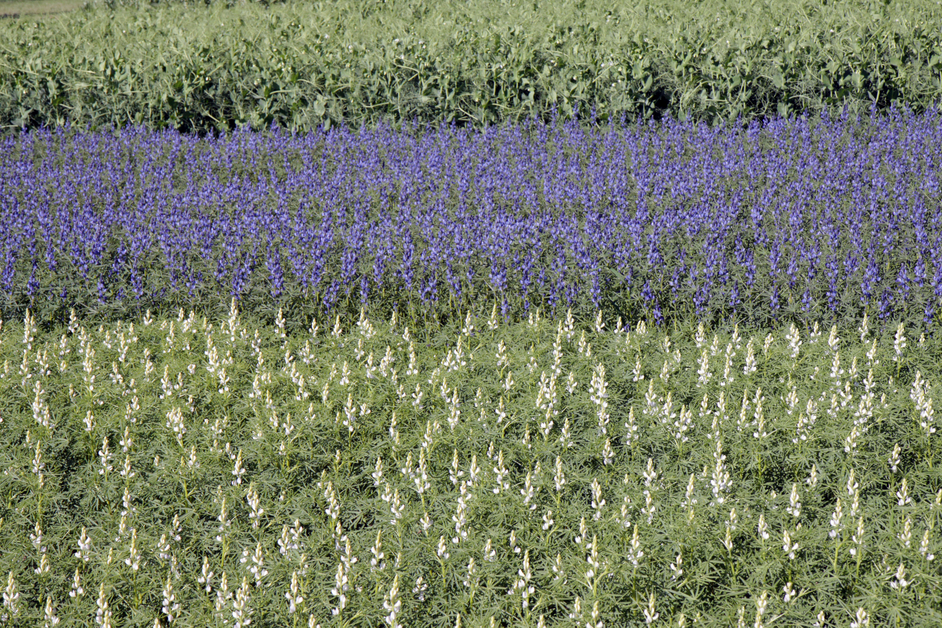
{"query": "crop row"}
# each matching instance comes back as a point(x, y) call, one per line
point(190, 472)
point(302, 65)
point(791, 219)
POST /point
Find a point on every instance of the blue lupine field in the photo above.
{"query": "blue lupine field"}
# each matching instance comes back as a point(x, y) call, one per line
point(807, 219)
point(550, 373)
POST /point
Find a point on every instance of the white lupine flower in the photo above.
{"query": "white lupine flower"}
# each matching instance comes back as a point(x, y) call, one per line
point(256, 563)
point(528, 491)
point(84, 547)
point(206, 576)
point(635, 553)
point(857, 538)
point(49, 617)
point(595, 620)
point(237, 470)
point(103, 613)
point(790, 593)
point(750, 366)
point(720, 482)
point(240, 605)
point(224, 522)
point(899, 582)
point(257, 511)
point(703, 372)
point(223, 595)
point(473, 471)
point(812, 480)
point(76, 591)
point(583, 532)
point(489, 554)
point(163, 547)
point(794, 340)
point(689, 500)
point(899, 343)
point(460, 516)
point(763, 528)
point(806, 421)
point(924, 547)
point(907, 534)
point(501, 472)
point(377, 563)
point(565, 436)
point(294, 594)
point(11, 598)
point(862, 620)
point(420, 478)
point(649, 614)
point(649, 474)
point(836, 517)
point(597, 502)
point(894, 460)
point(593, 574)
point(558, 568)
point(852, 484)
point(682, 425)
point(677, 568)
point(470, 579)
point(649, 507)
point(794, 507)
point(105, 456)
point(927, 417)
point(134, 557)
point(761, 605)
point(420, 588)
point(290, 539)
point(442, 550)
point(341, 586)
point(902, 495)
point(175, 424)
point(560, 478)
point(170, 605)
point(788, 547)
point(522, 583)
point(759, 422)
point(392, 604)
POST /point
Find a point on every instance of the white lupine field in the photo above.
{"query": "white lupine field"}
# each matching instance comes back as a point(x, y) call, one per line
point(186, 472)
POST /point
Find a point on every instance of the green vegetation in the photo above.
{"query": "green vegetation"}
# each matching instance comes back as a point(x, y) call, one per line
point(543, 473)
point(35, 8)
point(299, 65)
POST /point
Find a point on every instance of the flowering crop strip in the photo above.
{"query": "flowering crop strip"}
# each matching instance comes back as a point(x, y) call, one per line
point(803, 219)
point(181, 472)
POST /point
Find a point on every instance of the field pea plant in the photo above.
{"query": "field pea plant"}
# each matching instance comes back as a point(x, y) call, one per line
point(217, 65)
point(182, 471)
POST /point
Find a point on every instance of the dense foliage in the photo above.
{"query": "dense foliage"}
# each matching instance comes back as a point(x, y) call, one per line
point(299, 65)
point(187, 472)
point(808, 219)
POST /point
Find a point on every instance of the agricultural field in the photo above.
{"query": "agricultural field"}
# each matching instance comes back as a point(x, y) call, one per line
point(483, 314)
point(182, 471)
